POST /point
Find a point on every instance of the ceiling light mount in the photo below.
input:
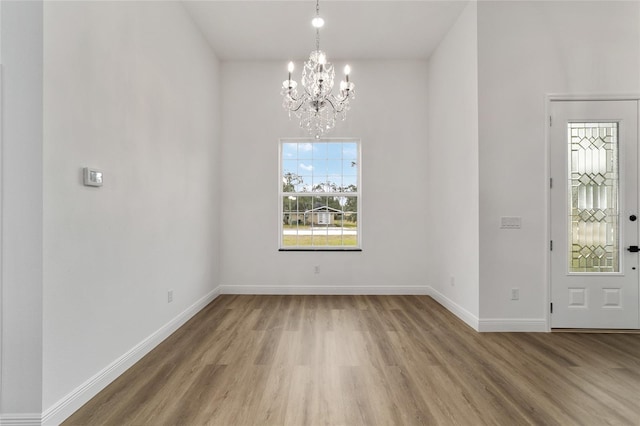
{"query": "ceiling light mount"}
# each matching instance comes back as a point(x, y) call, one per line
point(316, 107)
point(317, 22)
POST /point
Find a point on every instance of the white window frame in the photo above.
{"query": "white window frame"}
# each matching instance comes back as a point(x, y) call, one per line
point(357, 194)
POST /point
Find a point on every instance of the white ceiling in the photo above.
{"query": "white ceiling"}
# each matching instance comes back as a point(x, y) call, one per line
point(281, 30)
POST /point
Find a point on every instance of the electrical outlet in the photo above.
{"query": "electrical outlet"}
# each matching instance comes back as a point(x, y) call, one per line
point(452, 280)
point(515, 294)
point(316, 269)
point(170, 296)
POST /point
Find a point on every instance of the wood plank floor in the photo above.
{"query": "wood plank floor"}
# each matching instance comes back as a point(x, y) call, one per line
point(368, 360)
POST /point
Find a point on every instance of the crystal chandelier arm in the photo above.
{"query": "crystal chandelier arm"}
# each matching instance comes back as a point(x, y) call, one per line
point(339, 104)
point(290, 95)
point(331, 99)
point(297, 103)
point(339, 100)
point(296, 109)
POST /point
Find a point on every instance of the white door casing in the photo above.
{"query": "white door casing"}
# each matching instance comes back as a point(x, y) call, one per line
point(594, 172)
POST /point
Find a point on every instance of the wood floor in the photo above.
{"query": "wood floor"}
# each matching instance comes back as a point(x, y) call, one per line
point(368, 360)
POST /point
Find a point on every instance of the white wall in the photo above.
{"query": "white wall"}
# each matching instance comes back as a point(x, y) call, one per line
point(527, 50)
point(389, 115)
point(453, 168)
point(130, 88)
point(21, 168)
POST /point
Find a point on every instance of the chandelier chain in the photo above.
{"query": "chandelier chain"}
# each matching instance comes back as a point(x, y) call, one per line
point(318, 29)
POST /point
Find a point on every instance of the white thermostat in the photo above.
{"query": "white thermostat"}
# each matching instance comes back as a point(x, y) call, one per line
point(510, 222)
point(92, 177)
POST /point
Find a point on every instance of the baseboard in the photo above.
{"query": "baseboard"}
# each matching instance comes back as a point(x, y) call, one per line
point(470, 319)
point(513, 325)
point(61, 410)
point(20, 420)
point(323, 290)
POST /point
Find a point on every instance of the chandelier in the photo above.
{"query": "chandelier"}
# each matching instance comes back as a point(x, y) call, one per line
point(317, 107)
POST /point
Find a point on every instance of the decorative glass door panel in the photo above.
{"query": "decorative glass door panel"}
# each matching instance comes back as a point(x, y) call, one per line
point(593, 204)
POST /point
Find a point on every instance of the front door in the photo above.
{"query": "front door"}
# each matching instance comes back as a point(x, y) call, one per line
point(594, 214)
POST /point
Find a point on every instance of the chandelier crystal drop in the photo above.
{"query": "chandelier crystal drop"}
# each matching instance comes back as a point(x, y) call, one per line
point(316, 106)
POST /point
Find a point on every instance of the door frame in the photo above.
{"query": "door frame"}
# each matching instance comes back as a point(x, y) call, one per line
point(556, 97)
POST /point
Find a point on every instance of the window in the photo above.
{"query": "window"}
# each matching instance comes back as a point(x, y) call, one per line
point(319, 194)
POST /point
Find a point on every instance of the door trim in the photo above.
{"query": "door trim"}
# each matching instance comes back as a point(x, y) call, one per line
point(555, 97)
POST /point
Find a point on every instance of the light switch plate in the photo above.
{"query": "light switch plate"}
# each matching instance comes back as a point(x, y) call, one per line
point(510, 222)
point(92, 177)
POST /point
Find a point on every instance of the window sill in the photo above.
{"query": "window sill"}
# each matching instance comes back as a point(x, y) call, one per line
point(321, 249)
